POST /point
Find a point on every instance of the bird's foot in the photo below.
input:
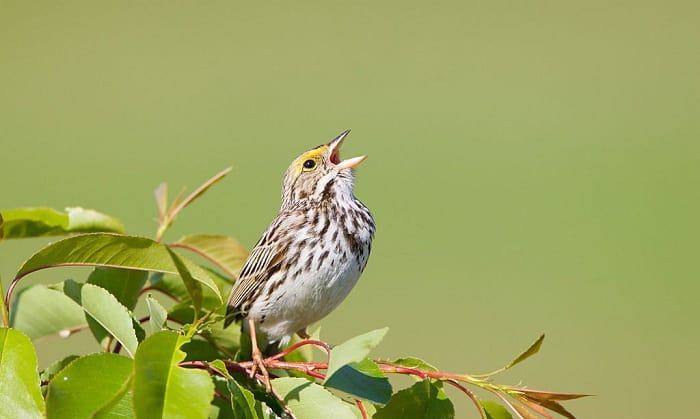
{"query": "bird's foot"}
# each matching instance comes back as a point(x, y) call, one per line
point(258, 360)
point(259, 365)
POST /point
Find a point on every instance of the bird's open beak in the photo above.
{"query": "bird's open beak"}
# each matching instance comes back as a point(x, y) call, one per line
point(334, 146)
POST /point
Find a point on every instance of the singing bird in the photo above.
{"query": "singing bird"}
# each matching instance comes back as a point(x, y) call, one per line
point(310, 256)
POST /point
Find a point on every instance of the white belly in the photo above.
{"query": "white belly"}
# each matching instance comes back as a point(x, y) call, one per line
point(304, 299)
point(328, 259)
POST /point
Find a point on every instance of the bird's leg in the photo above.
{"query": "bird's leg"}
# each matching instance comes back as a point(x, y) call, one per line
point(258, 360)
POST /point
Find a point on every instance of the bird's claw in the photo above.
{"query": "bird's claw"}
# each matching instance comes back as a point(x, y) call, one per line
point(259, 364)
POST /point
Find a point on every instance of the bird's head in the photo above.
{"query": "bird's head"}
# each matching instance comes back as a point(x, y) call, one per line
point(319, 174)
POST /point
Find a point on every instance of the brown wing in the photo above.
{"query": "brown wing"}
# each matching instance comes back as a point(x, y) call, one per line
point(255, 271)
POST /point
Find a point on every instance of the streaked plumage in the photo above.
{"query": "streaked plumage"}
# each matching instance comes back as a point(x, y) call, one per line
point(313, 252)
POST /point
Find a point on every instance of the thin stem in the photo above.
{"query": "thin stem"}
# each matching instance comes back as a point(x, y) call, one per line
point(471, 395)
point(5, 310)
point(63, 333)
point(323, 345)
point(221, 396)
point(361, 407)
point(306, 368)
point(401, 370)
point(234, 366)
point(506, 401)
point(397, 369)
point(311, 369)
point(170, 216)
point(8, 296)
point(197, 192)
point(201, 365)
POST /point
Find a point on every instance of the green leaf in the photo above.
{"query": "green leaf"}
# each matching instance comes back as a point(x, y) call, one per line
point(181, 313)
point(494, 410)
point(220, 408)
point(115, 251)
point(158, 314)
point(124, 284)
point(94, 384)
point(307, 399)
point(40, 310)
point(102, 307)
point(353, 350)
point(173, 286)
point(56, 367)
point(33, 222)
point(220, 366)
point(224, 251)
point(194, 288)
point(169, 284)
point(236, 405)
point(119, 408)
point(20, 395)
point(423, 400)
point(242, 401)
point(38, 222)
point(86, 221)
point(140, 332)
point(200, 350)
point(414, 363)
point(532, 350)
point(161, 387)
point(227, 340)
point(362, 379)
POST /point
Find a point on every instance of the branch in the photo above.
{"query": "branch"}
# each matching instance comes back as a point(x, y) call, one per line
point(537, 400)
point(166, 218)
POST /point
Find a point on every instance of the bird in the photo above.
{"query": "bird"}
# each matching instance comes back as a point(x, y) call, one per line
point(310, 256)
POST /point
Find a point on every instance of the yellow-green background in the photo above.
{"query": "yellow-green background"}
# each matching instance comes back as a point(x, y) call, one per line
point(533, 166)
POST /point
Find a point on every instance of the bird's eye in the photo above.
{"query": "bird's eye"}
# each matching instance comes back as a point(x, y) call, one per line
point(309, 164)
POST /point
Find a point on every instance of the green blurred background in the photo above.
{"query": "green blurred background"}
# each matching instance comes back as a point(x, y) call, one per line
point(533, 166)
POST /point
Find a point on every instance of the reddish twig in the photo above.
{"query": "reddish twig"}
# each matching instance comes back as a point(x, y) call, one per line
point(10, 290)
point(221, 396)
point(313, 370)
point(506, 402)
point(319, 344)
point(389, 367)
point(361, 408)
point(471, 395)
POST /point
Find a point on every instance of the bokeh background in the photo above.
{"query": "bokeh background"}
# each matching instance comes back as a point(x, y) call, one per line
point(533, 167)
